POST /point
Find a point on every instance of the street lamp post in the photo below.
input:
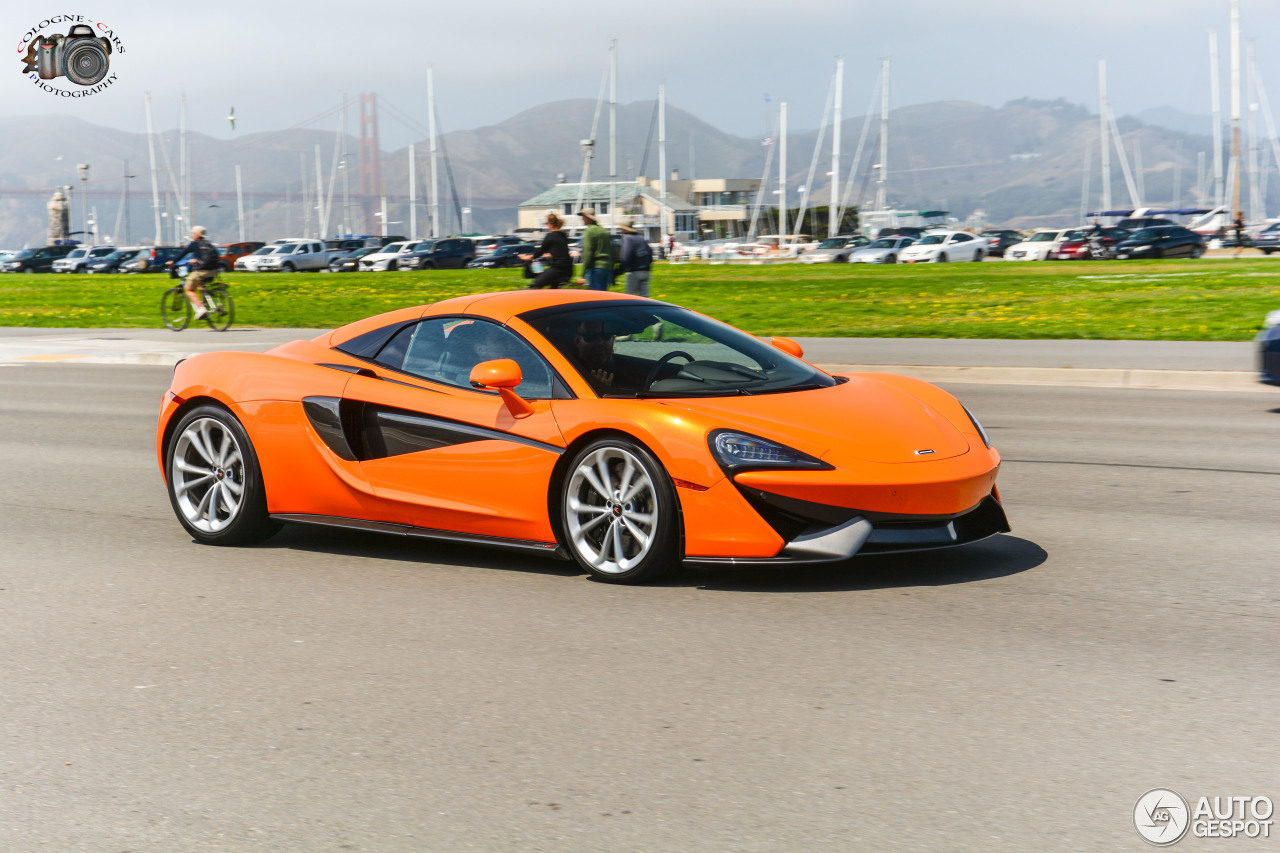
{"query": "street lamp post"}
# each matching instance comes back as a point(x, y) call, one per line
point(83, 169)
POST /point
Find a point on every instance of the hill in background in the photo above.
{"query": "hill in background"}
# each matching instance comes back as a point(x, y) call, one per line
point(1022, 164)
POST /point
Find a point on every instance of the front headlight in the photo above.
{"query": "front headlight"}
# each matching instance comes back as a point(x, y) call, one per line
point(739, 451)
point(978, 426)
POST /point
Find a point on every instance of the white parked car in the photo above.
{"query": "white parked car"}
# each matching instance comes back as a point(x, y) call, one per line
point(249, 263)
point(389, 256)
point(884, 250)
point(1038, 246)
point(834, 250)
point(78, 259)
point(943, 246)
point(298, 256)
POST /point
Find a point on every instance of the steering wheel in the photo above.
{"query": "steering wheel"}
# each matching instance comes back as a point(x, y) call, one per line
point(653, 372)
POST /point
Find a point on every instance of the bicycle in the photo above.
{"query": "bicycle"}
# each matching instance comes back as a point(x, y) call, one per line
point(177, 312)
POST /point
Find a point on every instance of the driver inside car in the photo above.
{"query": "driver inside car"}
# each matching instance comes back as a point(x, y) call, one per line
point(607, 372)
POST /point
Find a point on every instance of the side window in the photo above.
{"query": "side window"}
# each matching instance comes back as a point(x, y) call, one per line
point(962, 238)
point(446, 349)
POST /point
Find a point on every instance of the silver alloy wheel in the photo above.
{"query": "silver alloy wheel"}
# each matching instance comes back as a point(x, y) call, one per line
point(611, 506)
point(208, 475)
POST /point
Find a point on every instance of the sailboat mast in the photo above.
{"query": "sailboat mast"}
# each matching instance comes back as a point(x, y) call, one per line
point(662, 160)
point(782, 173)
point(1104, 137)
point(613, 136)
point(239, 203)
point(155, 175)
point(1235, 106)
point(1215, 93)
point(435, 168)
point(882, 197)
point(833, 207)
point(413, 197)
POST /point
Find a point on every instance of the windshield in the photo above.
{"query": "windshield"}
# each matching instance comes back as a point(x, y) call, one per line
point(26, 253)
point(502, 251)
point(360, 253)
point(266, 250)
point(77, 253)
point(619, 352)
point(1148, 234)
point(1044, 237)
point(933, 239)
point(391, 248)
point(1073, 235)
point(883, 244)
point(834, 243)
point(122, 255)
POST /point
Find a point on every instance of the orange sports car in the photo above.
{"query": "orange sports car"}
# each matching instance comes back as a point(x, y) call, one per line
point(627, 434)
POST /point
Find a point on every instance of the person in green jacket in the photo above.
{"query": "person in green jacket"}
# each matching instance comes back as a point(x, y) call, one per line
point(597, 252)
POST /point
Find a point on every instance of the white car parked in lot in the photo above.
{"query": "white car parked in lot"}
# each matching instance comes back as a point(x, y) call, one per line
point(78, 259)
point(249, 263)
point(943, 246)
point(297, 256)
point(1038, 246)
point(885, 250)
point(389, 256)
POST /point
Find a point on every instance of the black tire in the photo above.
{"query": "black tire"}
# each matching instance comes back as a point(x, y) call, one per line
point(208, 437)
point(288, 267)
point(977, 257)
point(223, 311)
point(1197, 251)
point(427, 265)
point(892, 259)
point(391, 266)
point(598, 529)
point(942, 258)
point(840, 259)
point(175, 309)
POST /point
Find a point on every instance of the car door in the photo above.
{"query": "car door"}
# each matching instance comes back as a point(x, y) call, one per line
point(448, 456)
point(963, 245)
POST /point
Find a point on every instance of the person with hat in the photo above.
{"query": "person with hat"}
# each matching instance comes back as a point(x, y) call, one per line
point(637, 260)
point(205, 270)
point(597, 252)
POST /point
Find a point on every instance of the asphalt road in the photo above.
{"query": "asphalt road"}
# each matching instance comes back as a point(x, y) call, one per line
point(341, 691)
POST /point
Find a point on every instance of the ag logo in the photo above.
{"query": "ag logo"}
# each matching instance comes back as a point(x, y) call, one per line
point(82, 57)
point(1161, 817)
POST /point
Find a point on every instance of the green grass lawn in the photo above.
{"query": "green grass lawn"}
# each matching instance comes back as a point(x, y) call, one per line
point(1223, 300)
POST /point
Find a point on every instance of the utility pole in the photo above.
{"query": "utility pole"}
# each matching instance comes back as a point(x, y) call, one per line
point(239, 203)
point(882, 197)
point(782, 173)
point(1215, 93)
point(413, 197)
point(662, 160)
point(1235, 106)
point(1104, 137)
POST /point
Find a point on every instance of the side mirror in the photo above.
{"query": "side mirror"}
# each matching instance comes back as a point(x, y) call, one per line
point(503, 374)
point(788, 346)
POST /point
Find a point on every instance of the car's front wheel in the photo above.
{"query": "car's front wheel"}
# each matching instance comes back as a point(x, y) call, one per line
point(287, 267)
point(942, 258)
point(618, 512)
point(215, 482)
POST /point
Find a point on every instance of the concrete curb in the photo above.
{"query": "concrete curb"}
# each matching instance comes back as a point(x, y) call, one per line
point(1184, 380)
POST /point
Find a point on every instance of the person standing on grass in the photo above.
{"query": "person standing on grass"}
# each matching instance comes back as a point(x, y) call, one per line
point(637, 260)
point(597, 252)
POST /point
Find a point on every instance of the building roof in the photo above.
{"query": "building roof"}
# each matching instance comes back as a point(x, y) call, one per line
point(592, 192)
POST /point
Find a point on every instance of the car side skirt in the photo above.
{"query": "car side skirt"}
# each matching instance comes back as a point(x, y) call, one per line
point(546, 549)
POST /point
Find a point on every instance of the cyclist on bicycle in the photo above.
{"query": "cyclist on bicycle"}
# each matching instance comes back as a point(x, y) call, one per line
point(207, 264)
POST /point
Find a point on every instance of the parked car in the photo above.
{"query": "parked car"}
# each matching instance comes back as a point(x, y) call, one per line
point(297, 255)
point(901, 231)
point(393, 256)
point(1039, 245)
point(834, 250)
point(37, 260)
point(232, 252)
point(488, 245)
point(347, 244)
point(999, 239)
point(77, 260)
point(1077, 248)
point(507, 255)
point(943, 246)
point(1166, 241)
point(449, 253)
point(882, 250)
point(1269, 350)
point(249, 263)
point(111, 263)
point(350, 262)
point(1268, 239)
point(152, 259)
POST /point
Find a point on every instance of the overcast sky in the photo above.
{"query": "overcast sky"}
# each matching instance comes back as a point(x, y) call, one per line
point(281, 64)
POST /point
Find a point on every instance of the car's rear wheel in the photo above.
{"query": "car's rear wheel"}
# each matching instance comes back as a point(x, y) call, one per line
point(618, 512)
point(215, 483)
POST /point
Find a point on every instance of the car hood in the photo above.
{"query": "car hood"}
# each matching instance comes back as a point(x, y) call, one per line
point(862, 419)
